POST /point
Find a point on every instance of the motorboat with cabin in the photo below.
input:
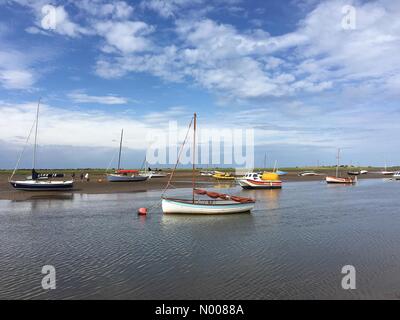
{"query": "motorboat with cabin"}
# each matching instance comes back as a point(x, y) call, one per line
point(256, 180)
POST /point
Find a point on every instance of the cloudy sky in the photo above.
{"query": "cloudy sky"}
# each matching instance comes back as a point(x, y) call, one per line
point(309, 76)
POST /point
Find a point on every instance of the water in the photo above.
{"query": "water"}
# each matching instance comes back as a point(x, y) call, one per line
point(292, 246)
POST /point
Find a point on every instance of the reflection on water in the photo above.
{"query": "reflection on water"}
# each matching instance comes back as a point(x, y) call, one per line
point(269, 199)
point(224, 185)
point(291, 246)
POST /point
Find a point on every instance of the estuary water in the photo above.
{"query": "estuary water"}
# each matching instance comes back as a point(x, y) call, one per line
point(292, 246)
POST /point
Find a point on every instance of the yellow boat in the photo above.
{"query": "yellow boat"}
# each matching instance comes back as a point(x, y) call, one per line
point(223, 176)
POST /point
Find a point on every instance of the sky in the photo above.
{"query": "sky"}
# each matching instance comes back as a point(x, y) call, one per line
point(307, 76)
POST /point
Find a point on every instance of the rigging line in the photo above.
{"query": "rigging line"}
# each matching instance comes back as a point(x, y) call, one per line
point(179, 157)
point(22, 152)
point(109, 165)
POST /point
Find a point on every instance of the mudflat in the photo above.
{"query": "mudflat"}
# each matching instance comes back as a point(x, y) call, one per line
point(99, 185)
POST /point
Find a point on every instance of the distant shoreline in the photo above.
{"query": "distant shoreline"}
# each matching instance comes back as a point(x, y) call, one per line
point(182, 179)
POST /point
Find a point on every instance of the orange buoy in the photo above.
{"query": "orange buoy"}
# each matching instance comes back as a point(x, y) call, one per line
point(142, 211)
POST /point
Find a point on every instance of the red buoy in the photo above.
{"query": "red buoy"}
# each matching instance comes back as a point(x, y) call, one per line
point(142, 211)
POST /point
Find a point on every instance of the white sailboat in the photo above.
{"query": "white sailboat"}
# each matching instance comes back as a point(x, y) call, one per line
point(151, 173)
point(386, 172)
point(220, 203)
point(125, 175)
point(34, 183)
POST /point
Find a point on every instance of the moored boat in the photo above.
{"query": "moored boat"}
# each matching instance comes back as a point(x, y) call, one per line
point(35, 185)
point(331, 179)
point(126, 176)
point(338, 180)
point(353, 173)
point(229, 206)
point(223, 176)
point(220, 204)
point(35, 181)
point(396, 175)
point(308, 174)
point(255, 180)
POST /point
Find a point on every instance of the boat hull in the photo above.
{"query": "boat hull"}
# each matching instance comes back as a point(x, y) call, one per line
point(42, 185)
point(338, 180)
point(206, 207)
point(122, 178)
point(253, 184)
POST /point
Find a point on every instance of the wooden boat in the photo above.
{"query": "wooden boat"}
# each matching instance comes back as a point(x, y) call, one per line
point(330, 179)
point(125, 175)
point(338, 180)
point(255, 180)
point(170, 205)
point(219, 204)
point(37, 181)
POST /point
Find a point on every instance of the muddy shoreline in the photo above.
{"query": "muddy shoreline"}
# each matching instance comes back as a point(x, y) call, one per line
point(99, 185)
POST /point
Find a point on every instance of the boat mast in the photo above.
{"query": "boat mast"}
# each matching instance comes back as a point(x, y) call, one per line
point(36, 133)
point(194, 154)
point(265, 160)
point(337, 165)
point(120, 149)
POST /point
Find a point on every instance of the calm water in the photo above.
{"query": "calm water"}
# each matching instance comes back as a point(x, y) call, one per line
point(292, 246)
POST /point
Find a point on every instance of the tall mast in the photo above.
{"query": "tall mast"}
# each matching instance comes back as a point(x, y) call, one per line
point(265, 160)
point(337, 165)
point(120, 149)
point(36, 133)
point(194, 153)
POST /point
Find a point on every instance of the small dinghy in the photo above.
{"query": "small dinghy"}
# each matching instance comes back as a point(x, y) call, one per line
point(37, 181)
point(353, 173)
point(223, 176)
point(219, 204)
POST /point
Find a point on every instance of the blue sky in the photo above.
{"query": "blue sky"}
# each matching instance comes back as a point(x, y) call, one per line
point(288, 69)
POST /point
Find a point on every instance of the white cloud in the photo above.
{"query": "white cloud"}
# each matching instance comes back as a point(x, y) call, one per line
point(126, 36)
point(15, 69)
point(114, 10)
point(318, 56)
point(81, 97)
point(16, 79)
point(168, 8)
point(80, 128)
point(64, 26)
